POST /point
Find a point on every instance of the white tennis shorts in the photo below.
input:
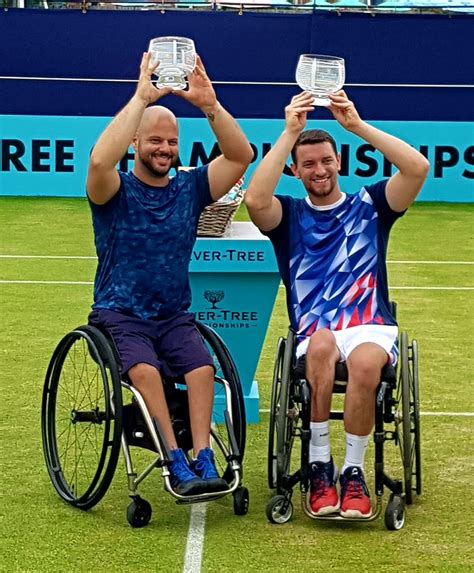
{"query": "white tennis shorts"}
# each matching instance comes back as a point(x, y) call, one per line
point(349, 338)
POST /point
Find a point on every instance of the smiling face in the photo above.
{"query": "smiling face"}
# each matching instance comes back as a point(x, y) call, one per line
point(156, 146)
point(317, 165)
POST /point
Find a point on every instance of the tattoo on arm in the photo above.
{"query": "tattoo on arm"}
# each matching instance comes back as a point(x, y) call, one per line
point(211, 116)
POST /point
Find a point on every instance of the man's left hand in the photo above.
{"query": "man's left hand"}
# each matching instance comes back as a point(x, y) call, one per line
point(200, 92)
point(344, 111)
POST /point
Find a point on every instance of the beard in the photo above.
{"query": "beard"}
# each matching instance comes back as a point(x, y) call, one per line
point(159, 171)
point(320, 192)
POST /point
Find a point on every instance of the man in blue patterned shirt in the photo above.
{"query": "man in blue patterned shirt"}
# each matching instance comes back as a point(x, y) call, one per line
point(145, 225)
point(331, 250)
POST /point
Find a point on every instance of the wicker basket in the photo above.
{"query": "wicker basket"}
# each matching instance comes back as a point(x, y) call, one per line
point(217, 217)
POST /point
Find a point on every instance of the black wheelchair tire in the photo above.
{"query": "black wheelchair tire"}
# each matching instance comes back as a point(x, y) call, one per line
point(284, 423)
point(109, 419)
point(410, 414)
point(272, 438)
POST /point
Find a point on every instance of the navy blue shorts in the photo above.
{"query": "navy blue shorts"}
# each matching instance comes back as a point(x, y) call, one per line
point(173, 345)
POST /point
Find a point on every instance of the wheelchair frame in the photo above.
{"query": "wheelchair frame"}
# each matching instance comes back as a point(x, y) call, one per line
point(85, 424)
point(397, 402)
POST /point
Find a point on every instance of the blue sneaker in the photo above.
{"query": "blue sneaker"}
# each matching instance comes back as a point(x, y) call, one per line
point(205, 467)
point(183, 480)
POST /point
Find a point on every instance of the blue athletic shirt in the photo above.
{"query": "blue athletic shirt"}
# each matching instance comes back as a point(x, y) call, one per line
point(333, 262)
point(144, 238)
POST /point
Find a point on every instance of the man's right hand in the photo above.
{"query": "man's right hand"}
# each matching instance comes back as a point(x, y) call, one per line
point(146, 91)
point(297, 110)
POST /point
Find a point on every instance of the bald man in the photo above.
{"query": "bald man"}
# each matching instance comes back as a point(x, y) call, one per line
point(145, 225)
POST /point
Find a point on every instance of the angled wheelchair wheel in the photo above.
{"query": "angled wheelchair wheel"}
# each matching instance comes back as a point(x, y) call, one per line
point(408, 417)
point(81, 417)
point(274, 405)
point(229, 424)
point(283, 417)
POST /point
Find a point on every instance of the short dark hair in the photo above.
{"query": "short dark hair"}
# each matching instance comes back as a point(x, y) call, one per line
point(311, 136)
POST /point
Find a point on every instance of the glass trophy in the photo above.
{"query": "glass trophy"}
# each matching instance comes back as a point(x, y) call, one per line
point(320, 75)
point(176, 57)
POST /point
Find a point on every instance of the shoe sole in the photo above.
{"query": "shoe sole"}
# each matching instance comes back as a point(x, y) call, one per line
point(215, 485)
point(192, 489)
point(356, 513)
point(327, 510)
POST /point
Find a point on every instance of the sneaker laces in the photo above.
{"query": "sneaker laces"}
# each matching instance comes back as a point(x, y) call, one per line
point(319, 482)
point(355, 487)
point(354, 490)
point(179, 467)
point(204, 464)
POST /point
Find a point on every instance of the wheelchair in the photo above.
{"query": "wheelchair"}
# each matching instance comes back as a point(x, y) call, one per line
point(85, 422)
point(396, 403)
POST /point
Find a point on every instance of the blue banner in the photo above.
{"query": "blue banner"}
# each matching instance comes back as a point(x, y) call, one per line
point(48, 155)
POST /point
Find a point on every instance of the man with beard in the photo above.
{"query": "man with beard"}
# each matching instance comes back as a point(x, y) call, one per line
point(145, 225)
point(331, 250)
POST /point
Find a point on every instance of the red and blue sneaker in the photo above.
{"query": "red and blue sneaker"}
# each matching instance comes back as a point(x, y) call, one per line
point(355, 499)
point(324, 499)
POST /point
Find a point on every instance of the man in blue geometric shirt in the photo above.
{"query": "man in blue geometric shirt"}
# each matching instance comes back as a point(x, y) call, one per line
point(145, 225)
point(331, 250)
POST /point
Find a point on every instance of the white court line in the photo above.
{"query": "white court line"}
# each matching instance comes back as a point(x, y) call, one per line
point(447, 414)
point(47, 282)
point(429, 288)
point(195, 541)
point(66, 257)
point(46, 257)
point(66, 283)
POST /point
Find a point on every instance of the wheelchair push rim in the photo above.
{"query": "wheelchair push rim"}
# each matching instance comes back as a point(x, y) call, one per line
point(81, 417)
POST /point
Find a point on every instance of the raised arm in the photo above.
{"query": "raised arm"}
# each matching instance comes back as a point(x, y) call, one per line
point(229, 167)
point(103, 180)
point(403, 186)
point(265, 209)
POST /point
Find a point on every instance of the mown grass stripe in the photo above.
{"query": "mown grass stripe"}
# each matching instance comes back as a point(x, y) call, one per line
point(32, 282)
point(82, 257)
point(452, 414)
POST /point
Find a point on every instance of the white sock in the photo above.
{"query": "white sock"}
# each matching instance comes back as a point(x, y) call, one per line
point(319, 450)
point(356, 447)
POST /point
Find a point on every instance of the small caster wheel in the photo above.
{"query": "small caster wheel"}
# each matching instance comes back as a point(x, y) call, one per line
point(241, 501)
point(395, 513)
point(139, 512)
point(279, 510)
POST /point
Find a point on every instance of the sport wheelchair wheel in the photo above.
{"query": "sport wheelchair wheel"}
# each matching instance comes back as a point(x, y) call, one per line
point(229, 427)
point(282, 420)
point(81, 417)
point(408, 417)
